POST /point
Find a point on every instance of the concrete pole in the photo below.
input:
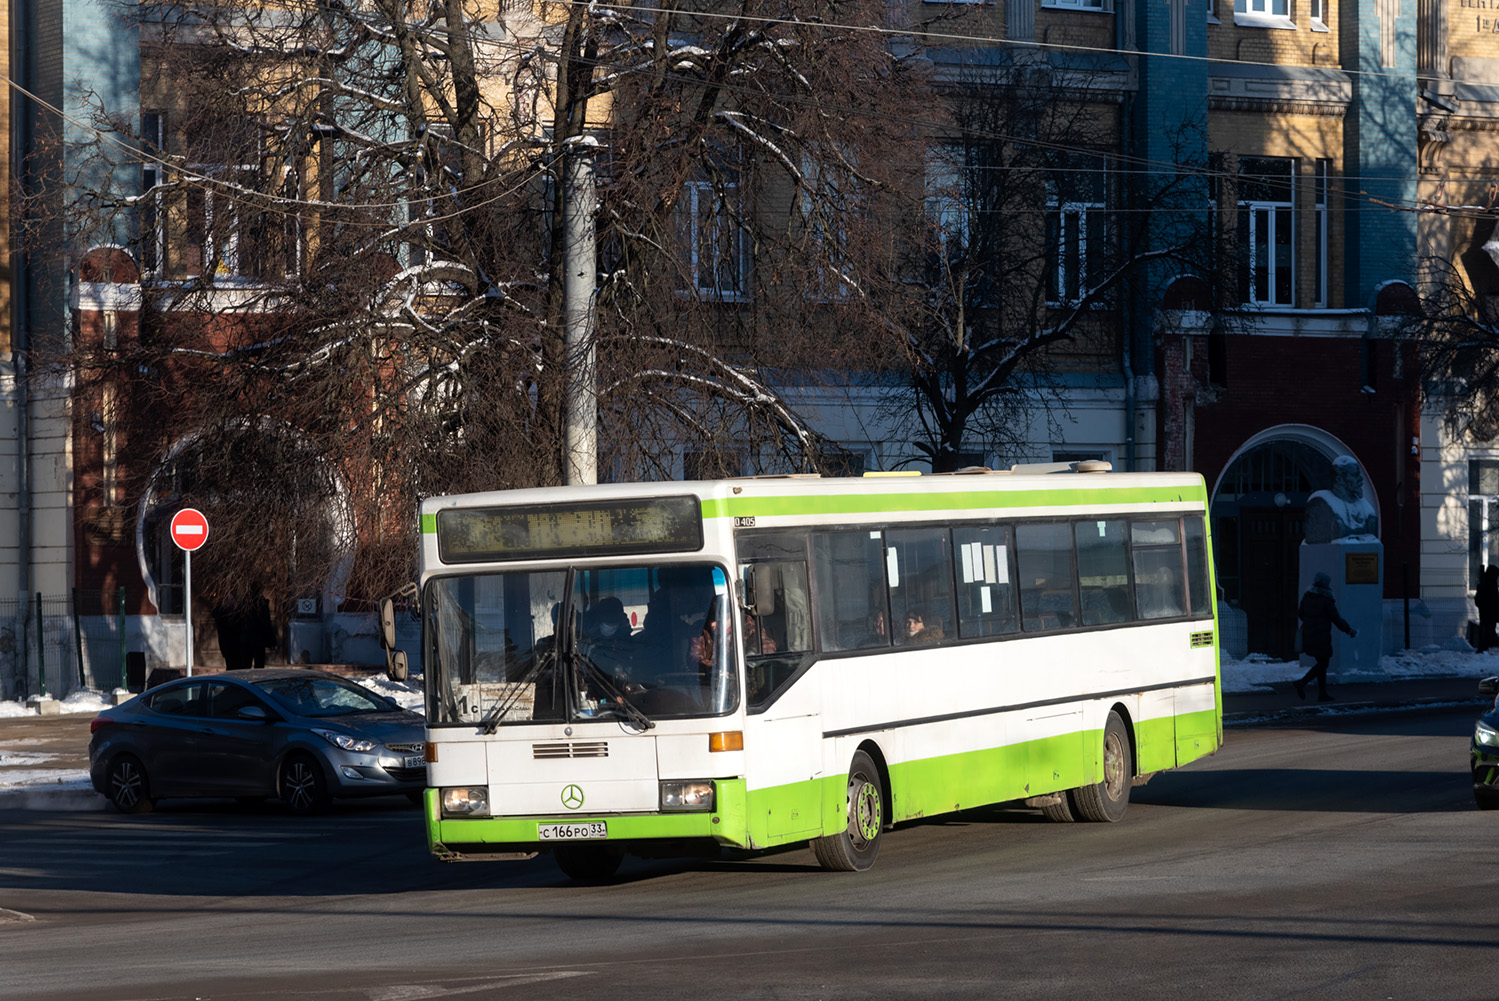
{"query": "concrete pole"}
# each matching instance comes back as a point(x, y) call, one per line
point(580, 260)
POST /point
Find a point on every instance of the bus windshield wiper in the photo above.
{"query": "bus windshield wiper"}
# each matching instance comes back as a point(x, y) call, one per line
point(620, 704)
point(491, 720)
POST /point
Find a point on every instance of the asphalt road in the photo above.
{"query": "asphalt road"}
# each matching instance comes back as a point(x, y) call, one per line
point(1345, 861)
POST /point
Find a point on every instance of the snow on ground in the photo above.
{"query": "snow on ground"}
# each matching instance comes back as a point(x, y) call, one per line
point(407, 693)
point(1256, 673)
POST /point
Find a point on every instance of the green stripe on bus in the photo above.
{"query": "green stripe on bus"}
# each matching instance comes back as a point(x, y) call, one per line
point(824, 504)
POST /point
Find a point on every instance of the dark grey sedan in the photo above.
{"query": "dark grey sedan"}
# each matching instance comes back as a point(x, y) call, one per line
point(303, 736)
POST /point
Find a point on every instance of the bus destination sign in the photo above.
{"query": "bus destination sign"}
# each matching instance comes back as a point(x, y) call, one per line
point(546, 531)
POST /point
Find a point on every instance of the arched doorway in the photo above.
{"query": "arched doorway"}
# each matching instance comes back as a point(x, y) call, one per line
point(1259, 520)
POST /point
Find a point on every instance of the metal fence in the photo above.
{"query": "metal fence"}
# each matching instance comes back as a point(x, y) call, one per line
point(54, 644)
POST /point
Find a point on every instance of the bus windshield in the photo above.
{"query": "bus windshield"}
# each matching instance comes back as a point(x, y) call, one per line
point(636, 643)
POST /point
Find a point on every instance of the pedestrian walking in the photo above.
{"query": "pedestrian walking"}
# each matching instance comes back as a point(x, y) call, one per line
point(1318, 612)
point(1487, 600)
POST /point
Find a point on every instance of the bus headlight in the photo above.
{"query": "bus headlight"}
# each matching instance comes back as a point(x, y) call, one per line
point(1485, 735)
point(679, 795)
point(465, 801)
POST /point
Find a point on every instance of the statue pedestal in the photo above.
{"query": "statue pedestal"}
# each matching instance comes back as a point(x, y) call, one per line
point(1356, 566)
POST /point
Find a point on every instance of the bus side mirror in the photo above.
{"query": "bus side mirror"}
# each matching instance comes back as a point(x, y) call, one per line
point(761, 597)
point(387, 623)
point(395, 665)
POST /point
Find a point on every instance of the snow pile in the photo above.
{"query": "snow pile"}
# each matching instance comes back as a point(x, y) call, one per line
point(1256, 673)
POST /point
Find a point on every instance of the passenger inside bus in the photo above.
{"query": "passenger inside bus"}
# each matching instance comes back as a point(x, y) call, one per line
point(606, 637)
point(921, 629)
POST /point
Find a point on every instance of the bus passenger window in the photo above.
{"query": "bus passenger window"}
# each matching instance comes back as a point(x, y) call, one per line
point(919, 572)
point(1160, 591)
point(1043, 555)
point(1197, 566)
point(985, 592)
point(1103, 572)
point(852, 612)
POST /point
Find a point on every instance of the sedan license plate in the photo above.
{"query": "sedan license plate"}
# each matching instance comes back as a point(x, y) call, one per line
point(414, 761)
point(591, 831)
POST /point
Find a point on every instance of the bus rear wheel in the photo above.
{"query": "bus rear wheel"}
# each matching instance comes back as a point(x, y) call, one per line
point(1105, 800)
point(855, 848)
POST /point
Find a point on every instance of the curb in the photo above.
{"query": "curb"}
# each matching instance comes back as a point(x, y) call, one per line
point(1320, 712)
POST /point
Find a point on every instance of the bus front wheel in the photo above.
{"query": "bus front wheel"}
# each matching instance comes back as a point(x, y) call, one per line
point(1105, 801)
point(855, 847)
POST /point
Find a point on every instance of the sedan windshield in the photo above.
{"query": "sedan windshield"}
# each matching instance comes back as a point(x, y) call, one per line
point(322, 696)
point(633, 643)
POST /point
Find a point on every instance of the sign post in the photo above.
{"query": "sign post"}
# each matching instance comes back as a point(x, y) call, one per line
point(189, 532)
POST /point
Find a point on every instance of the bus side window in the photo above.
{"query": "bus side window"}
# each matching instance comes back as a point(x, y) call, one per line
point(1043, 555)
point(1103, 572)
point(1155, 548)
point(852, 612)
point(1197, 566)
point(984, 581)
point(919, 571)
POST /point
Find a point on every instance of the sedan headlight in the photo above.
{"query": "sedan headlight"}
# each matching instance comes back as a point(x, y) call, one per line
point(1485, 735)
point(695, 795)
point(465, 801)
point(347, 742)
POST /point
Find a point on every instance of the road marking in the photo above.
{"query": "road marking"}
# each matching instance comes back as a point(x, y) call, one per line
point(419, 992)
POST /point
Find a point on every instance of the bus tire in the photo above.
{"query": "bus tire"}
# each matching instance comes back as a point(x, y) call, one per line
point(1105, 801)
point(855, 848)
point(587, 863)
point(1060, 812)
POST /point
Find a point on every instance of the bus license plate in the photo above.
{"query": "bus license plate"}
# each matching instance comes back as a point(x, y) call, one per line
point(572, 832)
point(415, 761)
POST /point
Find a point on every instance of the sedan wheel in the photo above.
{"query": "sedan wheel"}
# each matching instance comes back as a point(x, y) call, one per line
point(128, 789)
point(303, 787)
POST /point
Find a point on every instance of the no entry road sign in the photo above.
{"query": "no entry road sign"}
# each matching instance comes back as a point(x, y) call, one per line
point(189, 529)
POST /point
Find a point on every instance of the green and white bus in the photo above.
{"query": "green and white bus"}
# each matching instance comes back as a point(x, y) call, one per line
point(666, 669)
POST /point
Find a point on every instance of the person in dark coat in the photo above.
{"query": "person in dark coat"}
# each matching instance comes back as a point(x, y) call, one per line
point(1487, 600)
point(257, 631)
point(229, 623)
point(1319, 613)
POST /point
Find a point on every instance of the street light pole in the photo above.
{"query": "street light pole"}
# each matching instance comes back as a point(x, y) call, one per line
point(580, 405)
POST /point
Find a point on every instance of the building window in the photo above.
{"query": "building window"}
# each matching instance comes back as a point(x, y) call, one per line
point(714, 244)
point(1319, 249)
point(1267, 230)
point(1106, 6)
point(1077, 230)
point(151, 217)
point(947, 205)
point(1483, 517)
point(1263, 14)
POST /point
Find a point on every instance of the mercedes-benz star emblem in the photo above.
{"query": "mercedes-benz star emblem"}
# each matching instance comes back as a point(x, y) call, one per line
point(572, 797)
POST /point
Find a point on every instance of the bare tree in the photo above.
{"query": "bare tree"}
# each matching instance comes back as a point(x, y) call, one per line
point(1040, 240)
point(1457, 328)
point(352, 273)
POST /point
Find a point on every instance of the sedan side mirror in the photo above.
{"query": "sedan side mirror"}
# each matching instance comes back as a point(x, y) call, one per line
point(253, 714)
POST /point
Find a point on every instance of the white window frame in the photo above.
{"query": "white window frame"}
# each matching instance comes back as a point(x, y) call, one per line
point(1264, 14)
point(1320, 183)
point(152, 212)
point(1073, 216)
point(1268, 213)
point(707, 283)
point(946, 207)
point(1095, 6)
point(827, 234)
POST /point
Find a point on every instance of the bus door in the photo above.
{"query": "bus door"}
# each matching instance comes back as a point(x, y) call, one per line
point(783, 731)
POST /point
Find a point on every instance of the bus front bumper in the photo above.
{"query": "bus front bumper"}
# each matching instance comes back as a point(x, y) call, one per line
point(646, 834)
